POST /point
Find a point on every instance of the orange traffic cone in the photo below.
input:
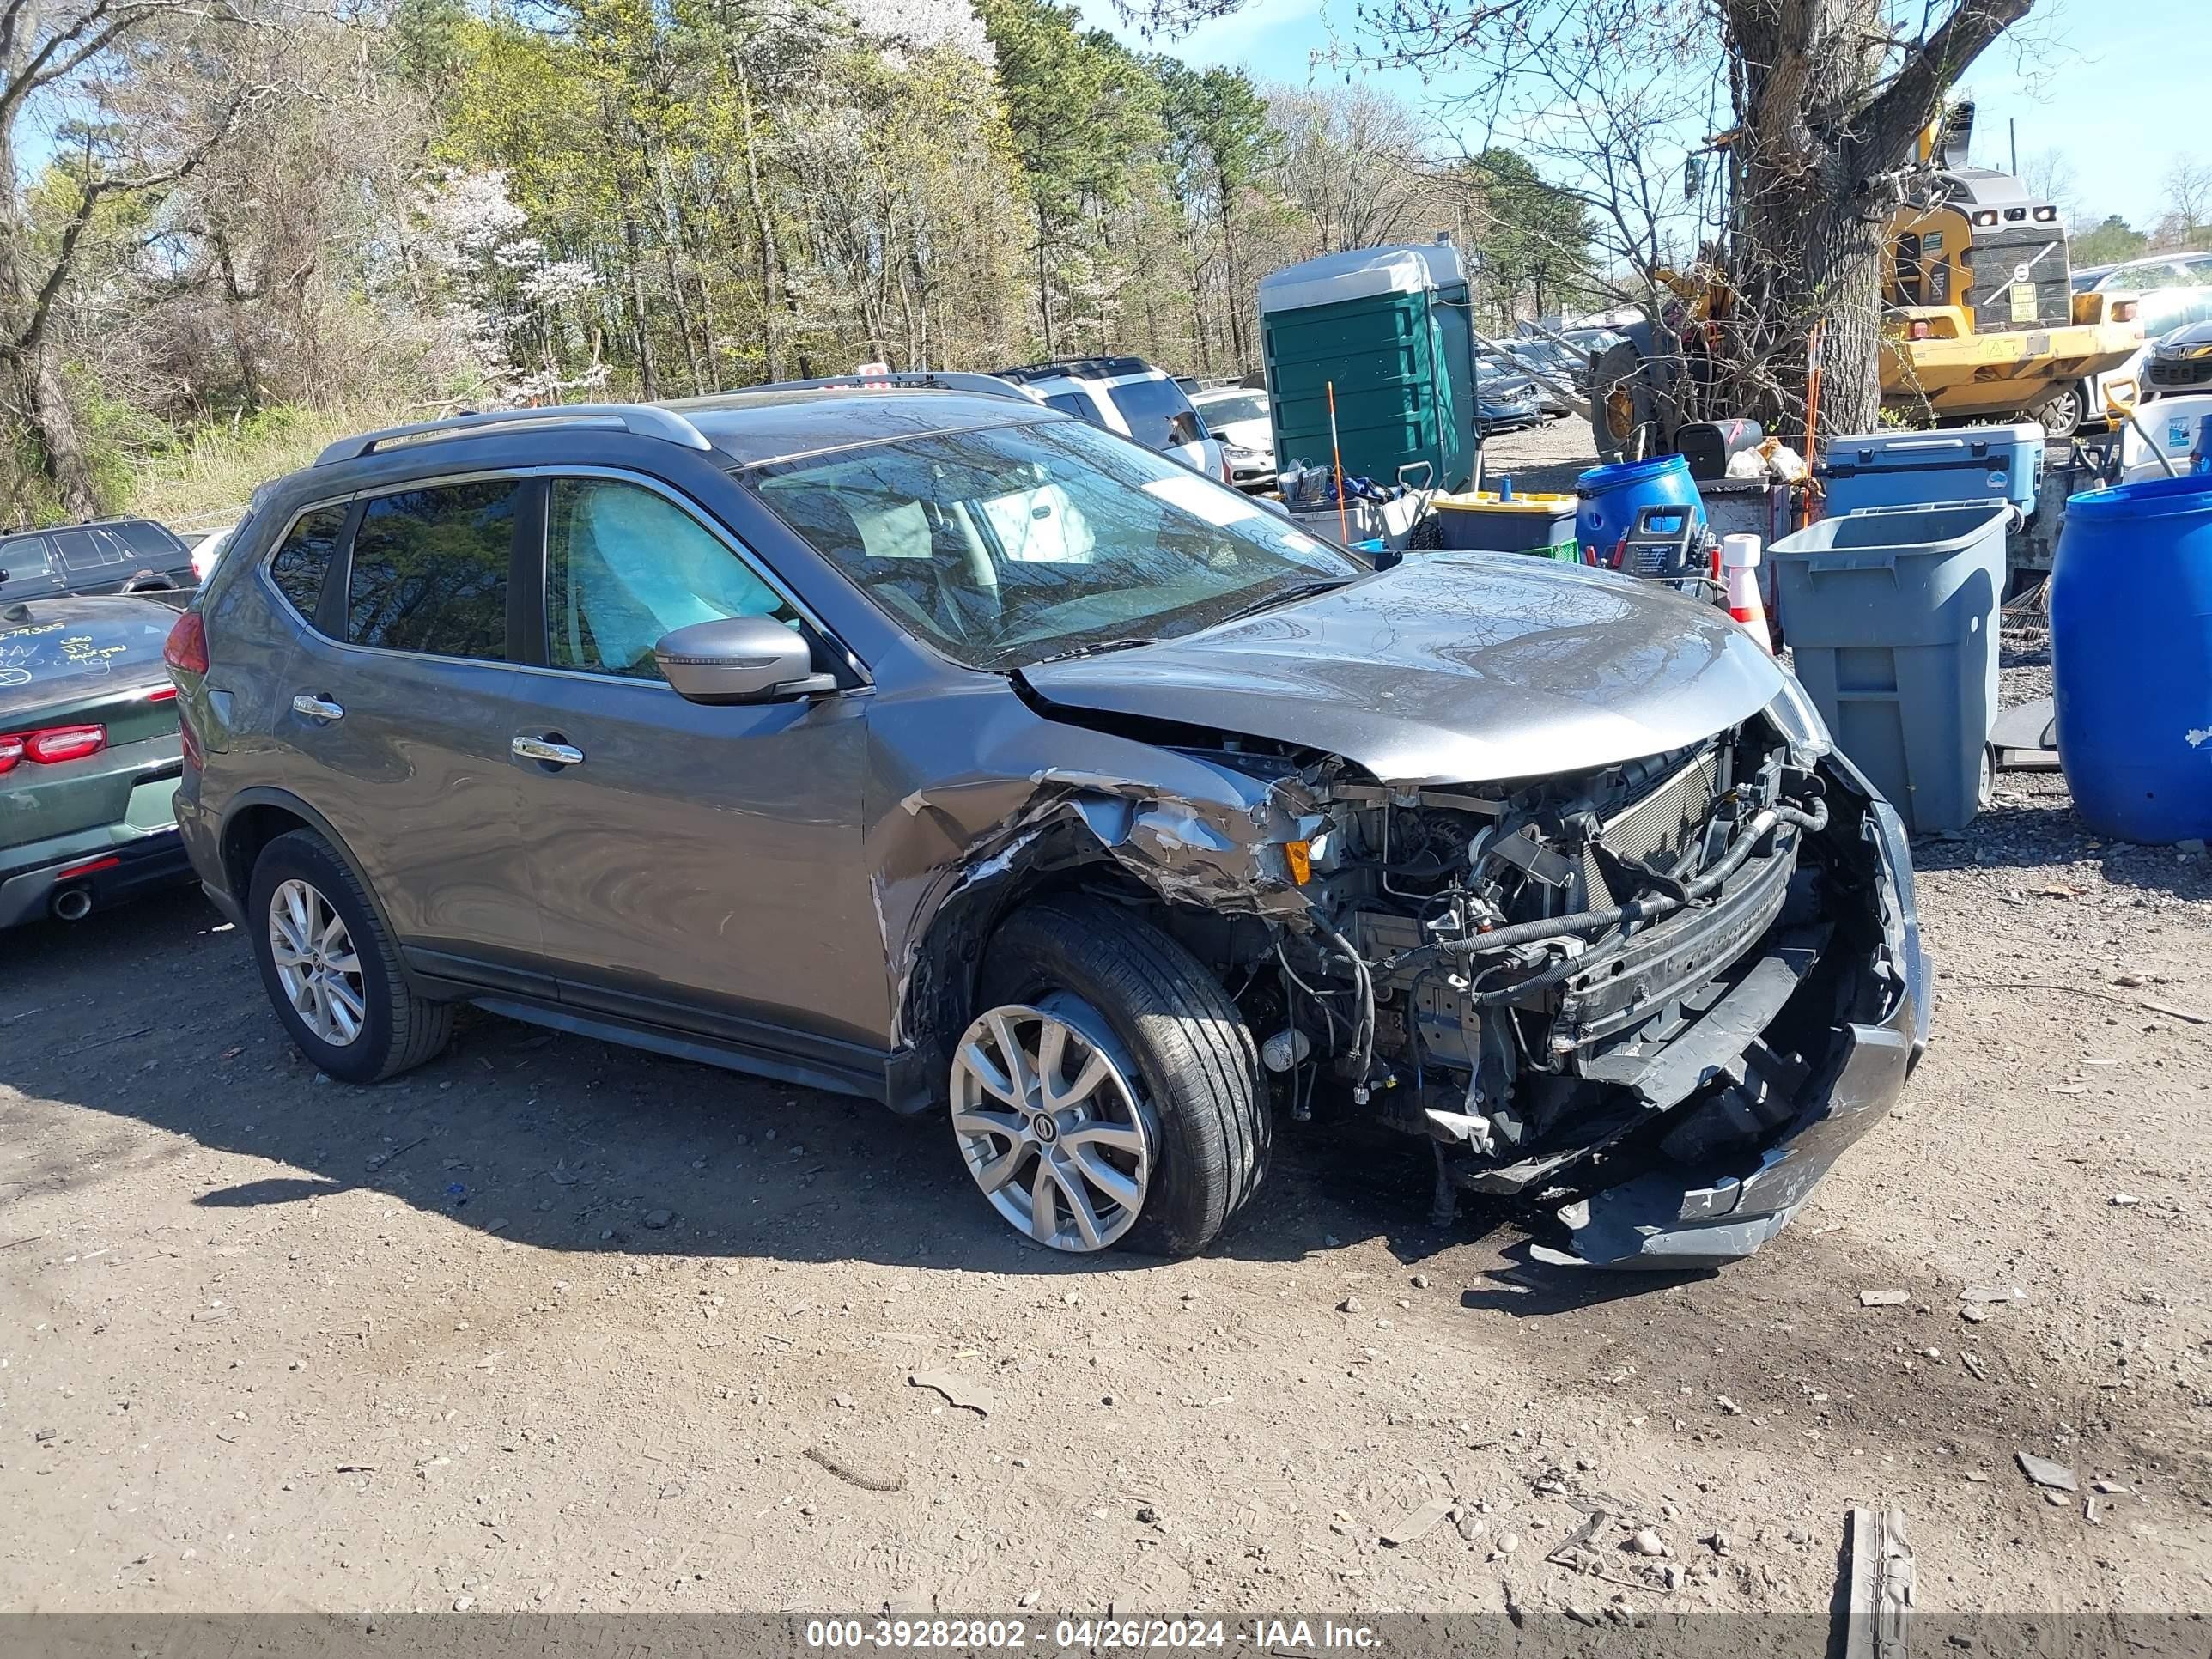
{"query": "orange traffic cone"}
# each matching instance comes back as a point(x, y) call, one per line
point(1740, 560)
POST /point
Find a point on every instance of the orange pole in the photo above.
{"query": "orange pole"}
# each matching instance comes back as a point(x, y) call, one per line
point(1336, 459)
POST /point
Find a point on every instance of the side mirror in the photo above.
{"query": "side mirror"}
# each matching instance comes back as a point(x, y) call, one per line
point(739, 660)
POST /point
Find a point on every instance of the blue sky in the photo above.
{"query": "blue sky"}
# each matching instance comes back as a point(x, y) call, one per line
point(2110, 83)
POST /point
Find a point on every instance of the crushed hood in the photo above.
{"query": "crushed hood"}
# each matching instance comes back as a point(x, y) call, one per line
point(1453, 668)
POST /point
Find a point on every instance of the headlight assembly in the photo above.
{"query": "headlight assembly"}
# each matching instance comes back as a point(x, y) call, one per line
point(1798, 721)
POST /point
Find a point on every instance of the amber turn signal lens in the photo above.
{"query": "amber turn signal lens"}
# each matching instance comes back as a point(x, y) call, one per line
point(1301, 856)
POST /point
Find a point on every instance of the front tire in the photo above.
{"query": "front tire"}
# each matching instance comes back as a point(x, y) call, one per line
point(1109, 1092)
point(331, 969)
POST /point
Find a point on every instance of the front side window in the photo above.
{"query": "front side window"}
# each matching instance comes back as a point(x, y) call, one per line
point(305, 558)
point(27, 569)
point(1041, 537)
point(430, 570)
point(625, 565)
point(1151, 408)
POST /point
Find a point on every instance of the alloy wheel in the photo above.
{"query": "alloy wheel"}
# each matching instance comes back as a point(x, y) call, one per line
point(316, 962)
point(1046, 1111)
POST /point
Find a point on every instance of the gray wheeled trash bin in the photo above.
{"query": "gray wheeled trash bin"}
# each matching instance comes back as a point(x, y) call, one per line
point(1892, 618)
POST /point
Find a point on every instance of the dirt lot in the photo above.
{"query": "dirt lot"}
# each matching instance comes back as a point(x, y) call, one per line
point(551, 1325)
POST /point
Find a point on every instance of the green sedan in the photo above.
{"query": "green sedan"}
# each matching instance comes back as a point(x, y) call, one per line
point(89, 756)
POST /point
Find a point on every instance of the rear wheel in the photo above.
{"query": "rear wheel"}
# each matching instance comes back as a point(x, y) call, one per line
point(1109, 1093)
point(2062, 414)
point(331, 969)
point(1622, 406)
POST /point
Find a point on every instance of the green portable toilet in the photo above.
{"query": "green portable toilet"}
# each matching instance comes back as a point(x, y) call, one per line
point(1389, 327)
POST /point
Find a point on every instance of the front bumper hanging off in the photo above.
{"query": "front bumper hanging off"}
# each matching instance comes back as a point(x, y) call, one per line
point(1662, 1220)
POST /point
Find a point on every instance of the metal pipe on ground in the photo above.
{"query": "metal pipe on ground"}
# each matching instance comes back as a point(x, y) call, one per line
point(1567, 394)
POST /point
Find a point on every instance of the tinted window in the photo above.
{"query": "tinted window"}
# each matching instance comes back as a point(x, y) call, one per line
point(146, 539)
point(89, 552)
point(430, 571)
point(1073, 403)
point(1149, 406)
point(305, 558)
point(624, 566)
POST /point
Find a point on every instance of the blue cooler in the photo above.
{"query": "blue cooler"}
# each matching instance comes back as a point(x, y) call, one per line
point(1924, 468)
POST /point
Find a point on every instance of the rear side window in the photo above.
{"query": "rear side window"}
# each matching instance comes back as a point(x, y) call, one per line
point(1073, 403)
point(1150, 407)
point(146, 539)
point(90, 553)
point(430, 570)
point(305, 558)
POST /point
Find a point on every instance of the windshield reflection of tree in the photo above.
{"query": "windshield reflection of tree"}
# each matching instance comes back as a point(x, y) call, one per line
point(1041, 538)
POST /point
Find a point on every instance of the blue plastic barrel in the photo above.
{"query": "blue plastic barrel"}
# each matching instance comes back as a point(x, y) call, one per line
point(1611, 496)
point(2131, 657)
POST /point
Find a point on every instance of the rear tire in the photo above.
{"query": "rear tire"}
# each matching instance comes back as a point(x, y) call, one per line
point(2062, 414)
point(1622, 403)
point(357, 982)
point(1195, 1069)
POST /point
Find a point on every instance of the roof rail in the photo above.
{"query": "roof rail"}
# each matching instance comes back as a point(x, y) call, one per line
point(925, 380)
point(645, 420)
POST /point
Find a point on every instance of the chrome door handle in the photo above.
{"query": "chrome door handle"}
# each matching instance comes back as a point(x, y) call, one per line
point(553, 754)
point(317, 709)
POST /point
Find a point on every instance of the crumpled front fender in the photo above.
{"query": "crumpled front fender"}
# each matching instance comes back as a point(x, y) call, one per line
point(1030, 796)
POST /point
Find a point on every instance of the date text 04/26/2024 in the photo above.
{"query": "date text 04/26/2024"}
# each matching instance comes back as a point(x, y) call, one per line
point(1089, 1635)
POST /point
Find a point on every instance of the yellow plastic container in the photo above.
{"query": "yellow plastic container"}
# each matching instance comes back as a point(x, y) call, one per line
point(1482, 521)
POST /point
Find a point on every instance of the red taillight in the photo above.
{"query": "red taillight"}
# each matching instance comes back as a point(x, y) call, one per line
point(11, 750)
point(58, 743)
point(89, 867)
point(162, 694)
point(186, 645)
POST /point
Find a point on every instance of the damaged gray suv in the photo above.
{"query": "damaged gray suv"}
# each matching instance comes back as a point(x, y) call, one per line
point(931, 745)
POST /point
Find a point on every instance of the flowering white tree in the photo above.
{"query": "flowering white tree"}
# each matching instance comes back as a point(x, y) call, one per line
point(506, 299)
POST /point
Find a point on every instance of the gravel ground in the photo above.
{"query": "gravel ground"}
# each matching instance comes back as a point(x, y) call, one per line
point(550, 1326)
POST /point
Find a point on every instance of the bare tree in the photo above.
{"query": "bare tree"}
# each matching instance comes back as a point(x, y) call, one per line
point(1355, 161)
point(2187, 185)
point(1826, 97)
point(2049, 176)
point(83, 49)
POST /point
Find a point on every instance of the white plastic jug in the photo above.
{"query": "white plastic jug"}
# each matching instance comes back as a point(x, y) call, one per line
point(2173, 423)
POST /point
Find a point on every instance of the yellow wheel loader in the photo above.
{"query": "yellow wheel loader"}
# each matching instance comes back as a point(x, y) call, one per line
point(1979, 320)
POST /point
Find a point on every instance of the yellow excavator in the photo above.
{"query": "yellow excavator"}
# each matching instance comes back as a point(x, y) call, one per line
point(1979, 319)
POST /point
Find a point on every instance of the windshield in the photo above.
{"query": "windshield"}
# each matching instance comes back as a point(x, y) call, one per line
point(1225, 411)
point(1011, 544)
